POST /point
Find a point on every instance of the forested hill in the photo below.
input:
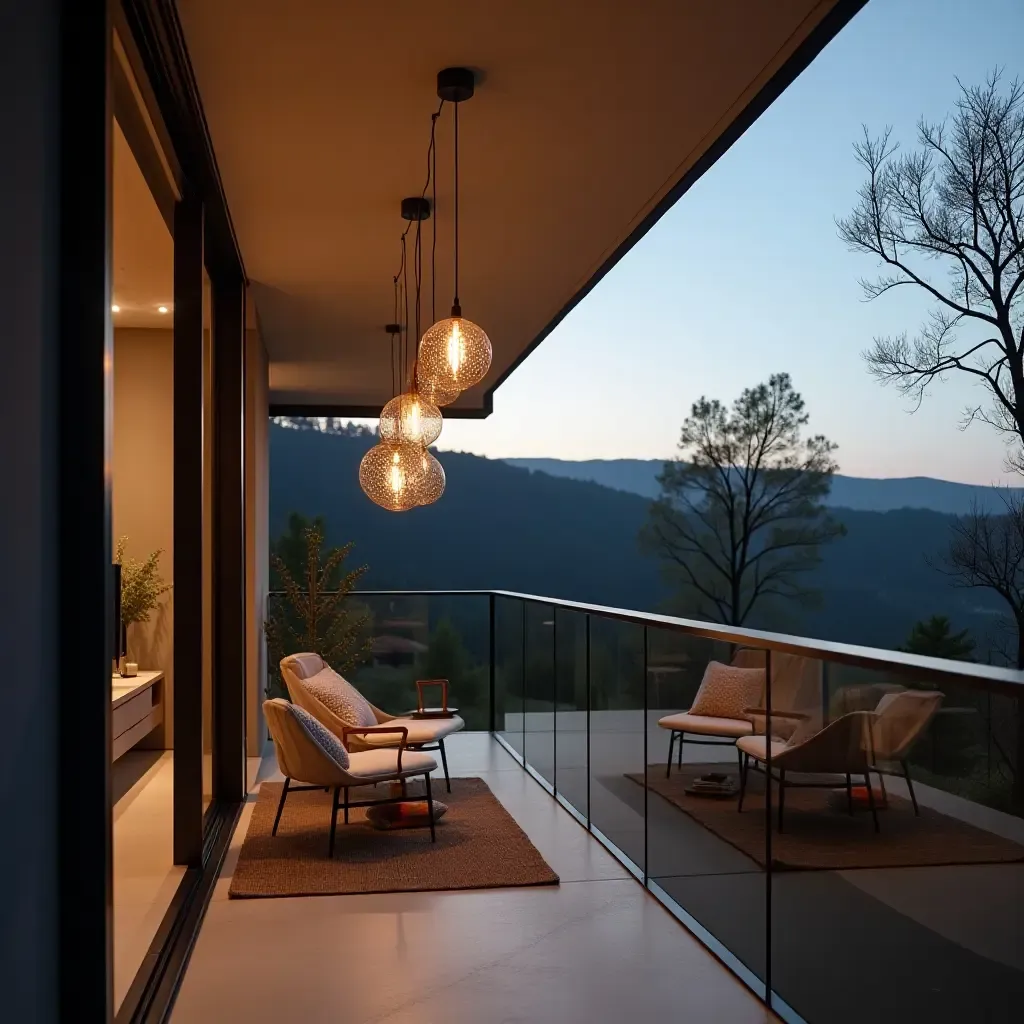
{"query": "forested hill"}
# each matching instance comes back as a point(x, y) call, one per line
point(640, 476)
point(499, 526)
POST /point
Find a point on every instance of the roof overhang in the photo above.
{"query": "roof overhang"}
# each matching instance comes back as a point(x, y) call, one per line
point(590, 120)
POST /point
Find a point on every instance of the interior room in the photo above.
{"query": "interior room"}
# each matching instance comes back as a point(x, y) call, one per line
point(142, 721)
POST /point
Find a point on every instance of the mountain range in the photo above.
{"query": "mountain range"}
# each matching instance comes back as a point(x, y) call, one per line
point(639, 476)
point(504, 527)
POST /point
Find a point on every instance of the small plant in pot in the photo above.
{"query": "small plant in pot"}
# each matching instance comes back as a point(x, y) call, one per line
point(141, 587)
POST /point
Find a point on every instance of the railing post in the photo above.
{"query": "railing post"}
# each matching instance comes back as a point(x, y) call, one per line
point(491, 681)
point(646, 830)
point(554, 699)
point(588, 720)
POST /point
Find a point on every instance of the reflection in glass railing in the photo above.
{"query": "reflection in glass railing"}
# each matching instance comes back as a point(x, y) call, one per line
point(843, 827)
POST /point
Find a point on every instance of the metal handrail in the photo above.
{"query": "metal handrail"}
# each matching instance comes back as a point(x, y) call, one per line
point(900, 662)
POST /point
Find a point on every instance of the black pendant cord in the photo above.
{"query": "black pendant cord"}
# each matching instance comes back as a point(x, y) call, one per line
point(405, 296)
point(433, 223)
point(403, 269)
point(456, 307)
point(394, 345)
point(418, 278)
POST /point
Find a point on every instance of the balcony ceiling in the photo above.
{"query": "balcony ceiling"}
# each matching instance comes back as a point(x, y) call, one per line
point(588, 115)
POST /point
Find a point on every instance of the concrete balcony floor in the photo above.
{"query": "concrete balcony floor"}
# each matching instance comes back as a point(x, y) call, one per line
point(596, 948)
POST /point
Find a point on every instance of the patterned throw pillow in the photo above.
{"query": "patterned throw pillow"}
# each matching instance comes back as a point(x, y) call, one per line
point(321, 736)
point(727, 691)
point(341, 698)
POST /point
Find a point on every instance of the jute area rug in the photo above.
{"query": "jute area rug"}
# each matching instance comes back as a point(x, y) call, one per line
point(479, 846)
point(820, 835)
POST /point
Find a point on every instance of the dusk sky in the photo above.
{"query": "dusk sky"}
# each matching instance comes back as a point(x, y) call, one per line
point(746, 276)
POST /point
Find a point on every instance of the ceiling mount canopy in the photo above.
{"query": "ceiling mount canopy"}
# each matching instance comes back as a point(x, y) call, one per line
point(455, 85)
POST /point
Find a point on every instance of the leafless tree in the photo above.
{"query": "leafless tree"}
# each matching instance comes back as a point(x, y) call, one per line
point(987, 553)
point(740, 517)
point(955, 204)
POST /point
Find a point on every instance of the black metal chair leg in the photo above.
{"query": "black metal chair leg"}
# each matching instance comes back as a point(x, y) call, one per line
point(334, 820)
point(671, 745)
point(280, 806)
point(881, 783)
point(430, 809)
point(782, 796)
point(849, 794)
point(871, 800)
point(346, 803)
point(682, 736)
point(910, 786)
point(444, 764)
point(744, 769)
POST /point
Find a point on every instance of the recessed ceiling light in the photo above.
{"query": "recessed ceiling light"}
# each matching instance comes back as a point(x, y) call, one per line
point(161, 309)
point(115, 308)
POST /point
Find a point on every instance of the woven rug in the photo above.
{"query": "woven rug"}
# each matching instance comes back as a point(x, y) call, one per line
point(479, 846)
point(820, 835)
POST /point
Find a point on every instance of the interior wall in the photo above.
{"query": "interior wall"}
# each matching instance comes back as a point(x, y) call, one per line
point(143, 487)
point(257, 527)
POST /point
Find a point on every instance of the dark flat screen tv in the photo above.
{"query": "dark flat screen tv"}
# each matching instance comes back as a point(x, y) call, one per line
point(116, 645)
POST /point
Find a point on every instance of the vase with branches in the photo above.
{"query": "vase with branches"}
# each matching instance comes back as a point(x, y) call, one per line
point(141, 588)
point(310, 612)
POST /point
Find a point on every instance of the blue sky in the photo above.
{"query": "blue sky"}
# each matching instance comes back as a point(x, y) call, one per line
point(746, 276)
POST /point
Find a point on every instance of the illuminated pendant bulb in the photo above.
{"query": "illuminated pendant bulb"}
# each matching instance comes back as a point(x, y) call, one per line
point(389, 473)
point(454, 354)
point(410, 418)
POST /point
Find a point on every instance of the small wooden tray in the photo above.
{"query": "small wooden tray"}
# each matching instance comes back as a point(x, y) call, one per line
point(432, 713)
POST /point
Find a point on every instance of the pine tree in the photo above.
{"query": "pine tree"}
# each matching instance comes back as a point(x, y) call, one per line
point(312, 614)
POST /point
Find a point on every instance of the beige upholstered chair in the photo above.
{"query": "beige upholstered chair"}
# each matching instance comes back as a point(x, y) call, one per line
point(308, 752)
point(901, 719)
point(796, 694)
point(423, 733)
point(843, 747)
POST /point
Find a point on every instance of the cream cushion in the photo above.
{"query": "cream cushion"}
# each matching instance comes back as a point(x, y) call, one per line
point(707, 725)
point(341, 698)
point(421, 730)
point(728, 690)
point(373, 764)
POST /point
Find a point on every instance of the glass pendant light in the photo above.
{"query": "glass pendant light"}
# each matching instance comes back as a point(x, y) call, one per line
point(393, 475)
point(455, 353)
point(411, 418)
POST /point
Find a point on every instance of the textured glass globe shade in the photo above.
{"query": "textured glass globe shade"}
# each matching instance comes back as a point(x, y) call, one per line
point(430, 486)
point(391, 475)
point(454, 354)
point(435, 395)
point(410, 418)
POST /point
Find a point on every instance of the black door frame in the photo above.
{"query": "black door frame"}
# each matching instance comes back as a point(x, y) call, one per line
point(82, 364)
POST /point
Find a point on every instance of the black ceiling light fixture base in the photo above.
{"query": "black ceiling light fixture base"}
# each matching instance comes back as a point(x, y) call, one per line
point(455, 84)
point(416, 208)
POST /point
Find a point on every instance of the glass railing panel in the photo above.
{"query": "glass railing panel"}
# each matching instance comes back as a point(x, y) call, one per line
point(539, 718)
point(412, 637)
point(415, 637)
point(617, 734)
point(881, 909)
point(571, 681)
point(706, 854)
point(509, 663)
